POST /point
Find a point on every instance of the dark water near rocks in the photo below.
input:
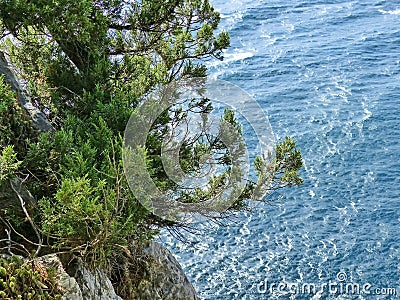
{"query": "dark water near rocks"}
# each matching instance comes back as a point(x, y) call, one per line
point(328, 74)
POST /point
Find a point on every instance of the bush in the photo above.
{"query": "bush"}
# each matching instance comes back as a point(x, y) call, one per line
point(24, 280)
point(8, 163)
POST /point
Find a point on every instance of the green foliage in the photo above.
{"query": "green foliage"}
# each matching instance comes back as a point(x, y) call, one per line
point(27, 280)
point(92, 211)
point(8, 163)
point(288, 162)
point(285, 166)
point(15, 127)
point(88, 64)
point(77, 213)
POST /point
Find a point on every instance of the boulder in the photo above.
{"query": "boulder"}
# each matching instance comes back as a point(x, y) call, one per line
point(165, 278)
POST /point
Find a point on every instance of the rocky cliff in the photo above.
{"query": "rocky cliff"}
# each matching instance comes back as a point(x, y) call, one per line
point(164, 279)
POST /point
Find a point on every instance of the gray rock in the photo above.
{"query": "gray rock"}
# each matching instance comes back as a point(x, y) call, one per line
point(67, 283)
point(9, 199)
point(38, 118)
point(83, 285)
point(94, 285)
point(165, 279)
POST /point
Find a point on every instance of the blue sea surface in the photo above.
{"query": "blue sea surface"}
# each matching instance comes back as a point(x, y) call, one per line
point(327, 73)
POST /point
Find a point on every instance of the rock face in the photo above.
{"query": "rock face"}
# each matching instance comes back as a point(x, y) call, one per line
point(165, 279)
point(10, 204)
point(94, 286)
point(68, 283)
point(39, 119)
point(83, 285)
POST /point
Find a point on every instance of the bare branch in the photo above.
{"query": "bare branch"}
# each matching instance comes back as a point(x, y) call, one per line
point(22, 202)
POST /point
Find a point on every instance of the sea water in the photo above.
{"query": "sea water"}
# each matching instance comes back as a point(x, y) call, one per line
point(327, 73)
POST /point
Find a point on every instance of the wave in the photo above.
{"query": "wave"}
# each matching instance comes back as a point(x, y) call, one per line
point(390, 12)
point(229, 57)
point(232, 57)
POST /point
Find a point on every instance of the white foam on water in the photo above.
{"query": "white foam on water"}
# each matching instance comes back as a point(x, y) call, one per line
point(353, 206)
point(367, 113)
point(233, 18)
point(238, 55)
point(244, 230)
point(230, 57)
point(289, 27)
point(269, 39)
point(277, 54)
point(343, 88)
point(390, 12)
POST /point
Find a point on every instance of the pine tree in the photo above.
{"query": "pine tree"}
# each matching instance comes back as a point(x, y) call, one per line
point(86, 66)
